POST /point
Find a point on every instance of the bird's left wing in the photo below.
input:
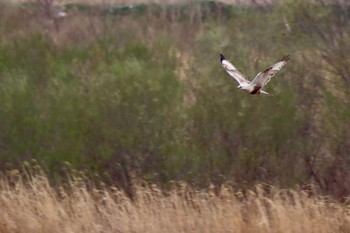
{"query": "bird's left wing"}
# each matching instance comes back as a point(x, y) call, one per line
point(238, 76)
point(262, 78)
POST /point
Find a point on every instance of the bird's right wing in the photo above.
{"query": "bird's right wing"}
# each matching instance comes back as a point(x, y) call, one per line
point(265, 76)
point(233, 71)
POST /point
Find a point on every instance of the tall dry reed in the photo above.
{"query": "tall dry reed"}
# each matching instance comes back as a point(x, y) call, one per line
point(36, 206)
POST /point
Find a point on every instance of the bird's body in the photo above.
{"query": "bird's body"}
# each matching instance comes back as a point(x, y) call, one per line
point(260, 80)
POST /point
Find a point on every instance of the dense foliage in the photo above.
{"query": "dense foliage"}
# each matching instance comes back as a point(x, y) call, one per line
point(124, 93)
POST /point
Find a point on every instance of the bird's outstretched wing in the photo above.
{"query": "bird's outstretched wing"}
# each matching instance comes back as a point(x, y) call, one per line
point(262, 78)
point(233, 71)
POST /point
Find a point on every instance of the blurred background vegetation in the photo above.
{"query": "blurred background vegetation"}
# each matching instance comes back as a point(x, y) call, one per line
point(123, 92)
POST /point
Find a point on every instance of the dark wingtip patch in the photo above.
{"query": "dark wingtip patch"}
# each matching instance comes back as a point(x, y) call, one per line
point(285, 58)
point(222, 57)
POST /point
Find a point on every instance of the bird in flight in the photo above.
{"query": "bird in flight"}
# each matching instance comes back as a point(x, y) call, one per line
point(260, 80)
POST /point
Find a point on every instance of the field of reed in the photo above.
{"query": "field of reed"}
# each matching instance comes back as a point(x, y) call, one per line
point(29, 204)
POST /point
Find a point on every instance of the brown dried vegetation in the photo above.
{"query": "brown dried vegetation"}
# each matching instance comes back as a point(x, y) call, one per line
point(35, 206)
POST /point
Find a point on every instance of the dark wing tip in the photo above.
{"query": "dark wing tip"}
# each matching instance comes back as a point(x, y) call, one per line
point(285, 58)
point(222, 57)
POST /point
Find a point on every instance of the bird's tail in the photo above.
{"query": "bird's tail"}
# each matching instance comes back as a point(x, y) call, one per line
point(265, 93)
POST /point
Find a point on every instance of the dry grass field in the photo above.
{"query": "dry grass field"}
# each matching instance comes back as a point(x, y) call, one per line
point(37, 207)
